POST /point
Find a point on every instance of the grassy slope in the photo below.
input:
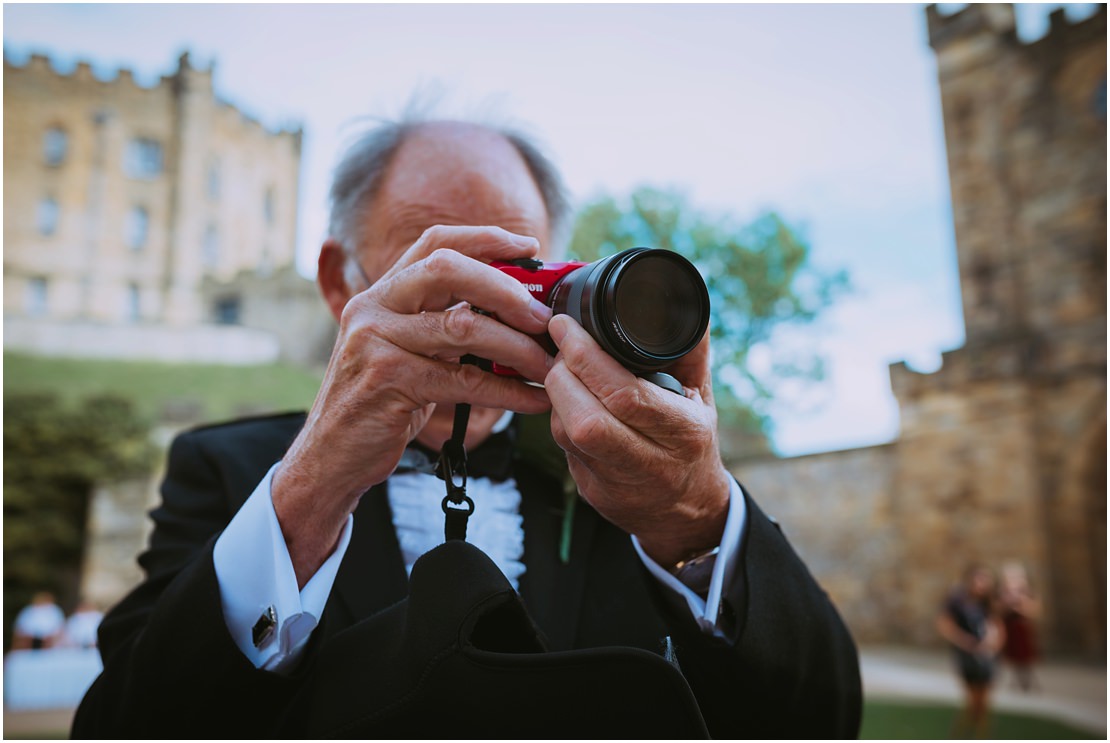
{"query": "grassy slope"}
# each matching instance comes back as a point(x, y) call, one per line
point(219, 391)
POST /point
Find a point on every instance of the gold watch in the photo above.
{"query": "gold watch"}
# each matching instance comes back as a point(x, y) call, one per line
point(696, 572)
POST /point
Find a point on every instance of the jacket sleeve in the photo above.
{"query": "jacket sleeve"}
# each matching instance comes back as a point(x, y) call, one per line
point(788, 667)
point(170, 667)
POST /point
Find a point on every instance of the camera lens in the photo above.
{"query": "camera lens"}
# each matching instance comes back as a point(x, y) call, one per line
point(657, 306)
point(645, 307)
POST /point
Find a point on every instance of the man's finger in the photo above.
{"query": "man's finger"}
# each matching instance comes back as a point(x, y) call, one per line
point(590, 426)
point(451, 334)
point(599, 371)
point(446, 383)
point(447, 277)
point(638, 403)
point(480, 243)
point(692, 370)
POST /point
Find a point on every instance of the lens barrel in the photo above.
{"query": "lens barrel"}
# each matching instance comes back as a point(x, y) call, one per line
point(645, 306)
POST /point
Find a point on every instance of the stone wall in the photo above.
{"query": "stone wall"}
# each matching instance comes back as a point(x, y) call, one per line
point(284, 304)
point(118, 531)
point(836, 510)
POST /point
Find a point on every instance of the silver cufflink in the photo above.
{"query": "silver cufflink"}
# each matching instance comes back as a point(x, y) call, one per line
point(263, 630)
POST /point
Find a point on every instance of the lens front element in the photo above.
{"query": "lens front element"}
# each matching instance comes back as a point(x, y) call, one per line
point(657, 304)
point(646, 307)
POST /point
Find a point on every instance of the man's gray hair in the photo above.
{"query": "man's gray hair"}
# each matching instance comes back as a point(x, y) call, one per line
point(362, 168)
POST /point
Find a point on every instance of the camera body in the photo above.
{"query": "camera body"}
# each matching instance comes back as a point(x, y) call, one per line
point(645, 307)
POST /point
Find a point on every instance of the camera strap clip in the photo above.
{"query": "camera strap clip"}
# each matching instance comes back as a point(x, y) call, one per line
point(457, 505)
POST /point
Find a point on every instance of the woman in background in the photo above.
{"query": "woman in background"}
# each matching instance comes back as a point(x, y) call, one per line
point(970, 624)
point(1020, 609)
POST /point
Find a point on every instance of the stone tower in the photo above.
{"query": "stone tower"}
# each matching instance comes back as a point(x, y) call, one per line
point(1002, 453)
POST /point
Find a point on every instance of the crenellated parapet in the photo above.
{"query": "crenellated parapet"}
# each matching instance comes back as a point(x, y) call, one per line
point(977, 19)
point(82, 73)
point(186, 78)
point(980, 31)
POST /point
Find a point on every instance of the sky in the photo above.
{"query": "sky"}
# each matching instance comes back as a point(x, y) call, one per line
point(829, 114)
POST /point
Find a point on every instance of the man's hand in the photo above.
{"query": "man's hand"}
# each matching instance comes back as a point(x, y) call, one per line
point(644, 457)
point(396, 357)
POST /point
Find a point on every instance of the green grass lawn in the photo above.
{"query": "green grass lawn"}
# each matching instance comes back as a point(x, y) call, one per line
point(217, 391)
point(908, 720)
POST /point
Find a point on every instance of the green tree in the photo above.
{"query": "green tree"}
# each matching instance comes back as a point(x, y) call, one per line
point(759, 277)
point(53, 457)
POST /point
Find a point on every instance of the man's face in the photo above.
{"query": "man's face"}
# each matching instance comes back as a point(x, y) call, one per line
point(450, 174)
point(980, 583)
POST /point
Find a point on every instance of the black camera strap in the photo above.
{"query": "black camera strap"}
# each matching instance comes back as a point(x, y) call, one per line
point(457, 505)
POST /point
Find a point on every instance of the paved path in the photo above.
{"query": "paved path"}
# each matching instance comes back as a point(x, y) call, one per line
point(1069, 692)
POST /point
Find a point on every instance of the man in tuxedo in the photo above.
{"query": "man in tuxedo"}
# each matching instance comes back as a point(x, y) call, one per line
point(275, 534)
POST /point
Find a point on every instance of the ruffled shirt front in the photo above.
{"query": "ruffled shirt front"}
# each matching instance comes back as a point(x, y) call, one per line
point(496, 526)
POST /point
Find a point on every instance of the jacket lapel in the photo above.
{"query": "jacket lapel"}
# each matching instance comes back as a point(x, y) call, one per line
point(552, 590)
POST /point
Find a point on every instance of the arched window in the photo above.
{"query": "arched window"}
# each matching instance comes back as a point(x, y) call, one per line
point(143, 158)
point(35, 299)
point(210, 254)
point(268, 205)
point(138, 227)
point(55, 142)
point(46, 216)
point(214, 179)
point(133, 307)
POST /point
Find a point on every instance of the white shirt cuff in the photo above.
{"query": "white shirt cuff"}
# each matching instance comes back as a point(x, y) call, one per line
point(706, 611)
point(255, 575)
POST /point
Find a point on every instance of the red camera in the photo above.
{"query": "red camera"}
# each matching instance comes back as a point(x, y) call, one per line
point(646, 307)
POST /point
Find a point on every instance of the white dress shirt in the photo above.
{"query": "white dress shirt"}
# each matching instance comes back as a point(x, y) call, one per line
point(256, 577)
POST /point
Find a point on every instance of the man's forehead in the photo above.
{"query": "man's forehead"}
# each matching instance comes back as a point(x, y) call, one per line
point(456, 173)
point(448, 156)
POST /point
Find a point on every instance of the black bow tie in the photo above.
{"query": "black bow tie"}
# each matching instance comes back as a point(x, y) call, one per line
point(493, 458)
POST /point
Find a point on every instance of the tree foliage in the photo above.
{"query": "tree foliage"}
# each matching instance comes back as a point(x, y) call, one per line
point(759, 277)
point(53, 457)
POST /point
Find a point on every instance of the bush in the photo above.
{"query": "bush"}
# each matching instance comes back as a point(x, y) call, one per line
point(53, 457)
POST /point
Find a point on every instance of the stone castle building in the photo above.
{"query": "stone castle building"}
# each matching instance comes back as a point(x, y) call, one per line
point(122, 200)
point(1002, 452)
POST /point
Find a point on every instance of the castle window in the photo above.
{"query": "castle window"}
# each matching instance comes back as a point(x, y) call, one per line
point(214, 180)
point(268, 206)
point(210, 254)
point(46, 216)
point(265, 261)
point(133, 303)
point(138, 225)
point(143, 158)
point(35, 299)
point(227, 310)
point(54, 145)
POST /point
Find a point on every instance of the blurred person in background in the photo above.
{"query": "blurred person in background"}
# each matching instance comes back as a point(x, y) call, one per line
point(81, 627)
point(1020, 611)
point(38, 625)
point(969, 622)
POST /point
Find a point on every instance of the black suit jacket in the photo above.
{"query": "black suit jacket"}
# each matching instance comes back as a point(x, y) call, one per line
point(788, 667)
